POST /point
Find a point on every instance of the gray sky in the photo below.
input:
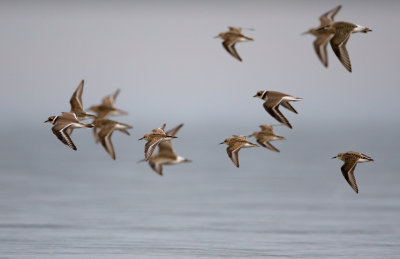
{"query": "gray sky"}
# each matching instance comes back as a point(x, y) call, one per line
point(170, 69)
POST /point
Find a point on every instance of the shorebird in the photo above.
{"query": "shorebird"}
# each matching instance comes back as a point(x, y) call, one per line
point(266, 135)
point(272, 101)
point(338, 33)
point(350, 160)
point(106, 108)
point(166, 154)
point(76, 103)
point(230, 38)
point(153, 139)
point(105, 128)
point(234, 146)
point(63, 122)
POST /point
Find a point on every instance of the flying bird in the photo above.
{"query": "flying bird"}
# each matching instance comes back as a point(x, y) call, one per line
point(350, 160)
point(166, 154)
point(105, 128)
point(230, 38)
point(106, 108)
point(63, 122)
point(236, 143)
point(272, 102)
point(338, 33)
point(266, 135)
point(153, 139)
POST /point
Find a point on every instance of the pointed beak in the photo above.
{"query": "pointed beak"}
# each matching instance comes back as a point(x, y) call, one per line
point(334, 157)
point(216, 37)
point(171, 136)
point(304, 33)
point(141, 138)
point(46, 121)
point(255, 96)
point(221, 143)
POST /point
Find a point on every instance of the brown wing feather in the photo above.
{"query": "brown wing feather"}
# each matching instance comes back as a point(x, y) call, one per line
point(150, 146)
point(348, 173)
point(233, 153)
point(76, 98)
point(320, 47)
point(172, 132)
point(109, 100)
point(105, 139)
point(264, 141)
point(328, 17)
point(59, 131)
point(339, 41)
point(229, 45)
point(272, 107)
point(288, 106)
point(156, 167)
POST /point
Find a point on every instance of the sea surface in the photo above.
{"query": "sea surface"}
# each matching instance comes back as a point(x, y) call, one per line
point(58, 203)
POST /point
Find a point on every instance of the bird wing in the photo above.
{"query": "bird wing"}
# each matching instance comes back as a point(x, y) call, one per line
point(264, 141)
point(339, 41)
point(150, 146)
point(272, 107)
point(320, 47)
point(109, 100)
point(68, 116)
point(288, 106)
point(328, 17)
point(157, 167)
point(166, 150)
point(348, 173)
point(229, 45)
point(105, 138)
point(76, 98)
point(233, 153)
point(59, 131)
point(235, 29)
point(172, 132)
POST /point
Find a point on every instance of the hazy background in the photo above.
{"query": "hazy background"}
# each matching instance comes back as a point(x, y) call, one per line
point(163, 57)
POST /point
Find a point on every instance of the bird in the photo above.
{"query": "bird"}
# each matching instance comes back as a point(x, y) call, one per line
point(230, 38)
point(323, 38)
point(338, 33)
point(153, 139)
point(234, 145)
point(266, 135)
point(63, 122)
point(106, 108)
point(105, 129)
point(166, 154)
point(76, 103)
point(350, 160)
point(272, 101)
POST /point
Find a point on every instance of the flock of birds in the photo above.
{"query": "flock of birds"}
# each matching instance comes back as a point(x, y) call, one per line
point(337, 33)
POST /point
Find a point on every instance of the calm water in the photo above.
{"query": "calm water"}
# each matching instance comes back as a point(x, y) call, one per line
point(60, 204)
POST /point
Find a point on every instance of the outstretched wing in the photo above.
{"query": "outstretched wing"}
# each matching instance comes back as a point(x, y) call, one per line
point(320, 47)
point(233, 153)
point(264, 141)
point(105, 139)
point(328, 17)
point(59, 131)
point(109, 100)
point(339, 41)
point(76, 99)
point(157, 167)
point(229, 45)
point(150, 146)
point(272, 107)
point(348, 173)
